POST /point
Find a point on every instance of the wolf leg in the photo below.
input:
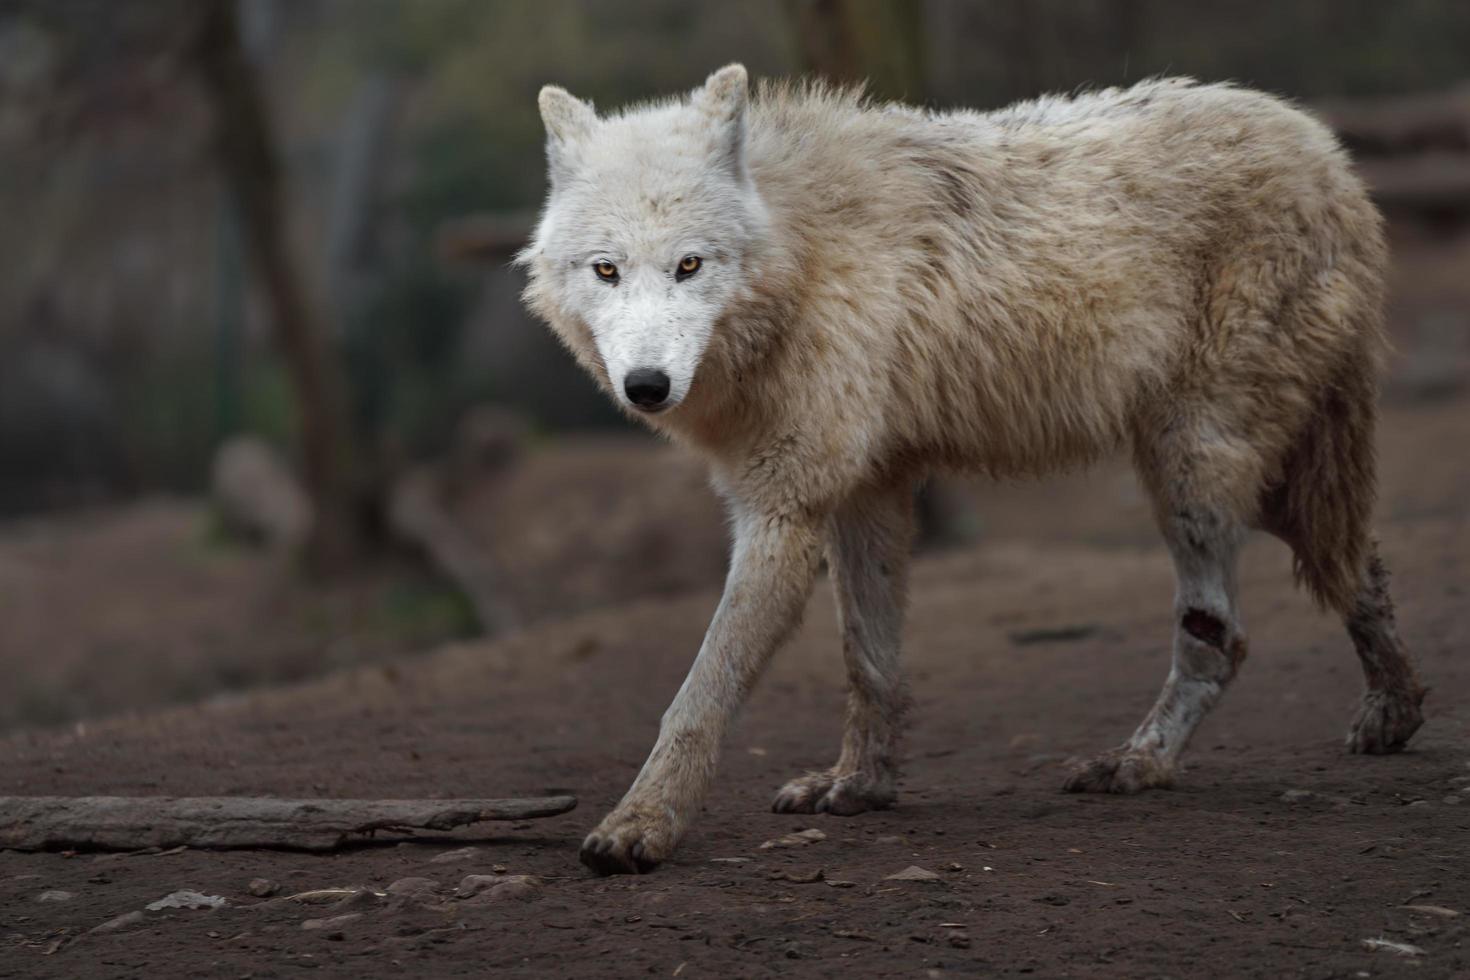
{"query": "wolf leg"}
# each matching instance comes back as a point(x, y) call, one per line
point(1389, 713)
point(773, 564)
point(868, 553)
point(1209, 645)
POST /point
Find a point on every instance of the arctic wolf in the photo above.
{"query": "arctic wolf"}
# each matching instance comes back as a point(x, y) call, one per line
point(828, 298)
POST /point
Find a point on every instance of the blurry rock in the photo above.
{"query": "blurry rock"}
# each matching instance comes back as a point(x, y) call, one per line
point(414, 887)
point(256, 495)
point(800, 838)
point(913, 873)
point(457, 856)
point(360, 900)
point(472, 885)
point(121, 922)
point(186, 899)
point(262, 887)
point(512, 888)
point(56, 895)
point(330, 923)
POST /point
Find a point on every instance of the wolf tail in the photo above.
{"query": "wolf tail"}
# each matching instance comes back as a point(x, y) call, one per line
point(1324, 506)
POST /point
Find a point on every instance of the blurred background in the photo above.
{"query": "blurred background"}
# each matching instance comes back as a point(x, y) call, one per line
point(268, 401)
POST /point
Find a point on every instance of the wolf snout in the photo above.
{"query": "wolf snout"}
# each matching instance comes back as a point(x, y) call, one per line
point(647, 388)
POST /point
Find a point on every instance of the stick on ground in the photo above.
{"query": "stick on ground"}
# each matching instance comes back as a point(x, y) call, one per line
point(36, 823)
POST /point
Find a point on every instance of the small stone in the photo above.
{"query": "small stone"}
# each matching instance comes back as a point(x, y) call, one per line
point(890, 839)
point(1435, 910)
point(840, 883)
point(1451, 800)
point(798, 877)
point(186, 899)
point(121, 922)
point(1297, 796)
point(262, 887)
point(456, 857)
point(413, 887)
point(330, 922)
point(56, 895)
point(471, 885)
point(799, 839)
point(515, 888)
point(734, 860)
point(360, 900)
point(1390, 946)
point(913, 873)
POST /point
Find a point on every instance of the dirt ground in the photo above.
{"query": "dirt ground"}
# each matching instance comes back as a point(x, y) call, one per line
point(1276, 856)
point(143, 604)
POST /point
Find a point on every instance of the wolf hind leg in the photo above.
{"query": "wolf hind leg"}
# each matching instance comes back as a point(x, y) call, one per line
point(1389, 712)
point(868, 553)
point(1209, 646)
point(1204, 486)
point(1322, 511)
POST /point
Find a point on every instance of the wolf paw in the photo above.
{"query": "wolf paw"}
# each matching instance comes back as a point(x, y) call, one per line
point(630, 840)
point(1119, 771)
point(1386, 720)
point(827, 792)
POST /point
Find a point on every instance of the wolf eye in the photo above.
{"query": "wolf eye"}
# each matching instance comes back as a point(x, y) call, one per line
point(605, 270)
point(688, 266)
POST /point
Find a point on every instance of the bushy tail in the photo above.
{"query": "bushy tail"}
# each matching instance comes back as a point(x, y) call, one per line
point(1325, 506)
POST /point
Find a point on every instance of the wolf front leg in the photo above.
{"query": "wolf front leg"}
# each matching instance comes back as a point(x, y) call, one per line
point(771, 570)
point(868, 555)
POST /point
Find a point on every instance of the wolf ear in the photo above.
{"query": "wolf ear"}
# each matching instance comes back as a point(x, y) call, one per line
point(568, 119)
point(723, 99)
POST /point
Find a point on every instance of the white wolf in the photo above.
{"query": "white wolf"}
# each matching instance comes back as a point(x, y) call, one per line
point(828, 298)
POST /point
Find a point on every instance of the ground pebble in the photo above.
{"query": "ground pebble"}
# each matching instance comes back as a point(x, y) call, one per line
point(798, 839)
point(359, 900)
point(331, 922)
point(262, 887)
point(413, 886)
point(913, 873)
point(121, 922)
point(186, 899)
point(513, 888)
point(56, 895)
point(456, 857)
point(471, 885)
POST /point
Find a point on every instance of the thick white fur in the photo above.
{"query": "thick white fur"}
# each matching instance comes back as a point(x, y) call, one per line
point(1191, 271)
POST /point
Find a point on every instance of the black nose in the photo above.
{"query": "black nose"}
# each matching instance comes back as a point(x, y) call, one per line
point(646, 387)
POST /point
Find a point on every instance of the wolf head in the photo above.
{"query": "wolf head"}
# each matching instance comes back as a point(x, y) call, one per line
point(646, 235)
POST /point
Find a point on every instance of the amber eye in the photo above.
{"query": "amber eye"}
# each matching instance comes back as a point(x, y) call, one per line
point(605, 270)
point(688, 266)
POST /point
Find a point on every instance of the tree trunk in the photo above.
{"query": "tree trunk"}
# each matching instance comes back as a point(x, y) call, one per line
point(252, 171)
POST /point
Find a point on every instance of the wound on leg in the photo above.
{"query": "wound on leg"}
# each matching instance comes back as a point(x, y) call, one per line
point(1204, 627)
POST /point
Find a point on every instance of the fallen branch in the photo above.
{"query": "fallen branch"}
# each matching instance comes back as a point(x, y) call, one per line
point(36, 823)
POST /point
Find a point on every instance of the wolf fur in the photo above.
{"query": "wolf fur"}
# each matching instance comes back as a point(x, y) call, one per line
point(1190, 271)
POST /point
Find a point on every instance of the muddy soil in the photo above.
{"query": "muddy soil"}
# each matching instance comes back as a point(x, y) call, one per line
point(1277, 855)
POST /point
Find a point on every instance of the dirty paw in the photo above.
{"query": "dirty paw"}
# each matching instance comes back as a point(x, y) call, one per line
point(627, 842)
point(826, 792)
point(1385, 722)
point(1118, 771)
